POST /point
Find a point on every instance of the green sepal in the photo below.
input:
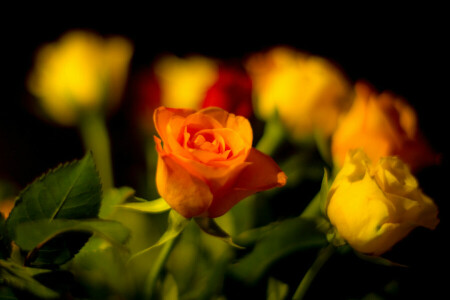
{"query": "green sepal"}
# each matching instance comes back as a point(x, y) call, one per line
point(154, 206)
point(21, 278)
point(175, 225)
point(379, 260)
point(210, 227)
point(113, 198)
point(286, 238)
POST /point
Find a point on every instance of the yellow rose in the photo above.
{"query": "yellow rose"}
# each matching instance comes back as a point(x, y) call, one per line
point(184, 81)
point(206, 163)
point(373, 207)
point(383, 125)
point(308, 92)
point(80, 72)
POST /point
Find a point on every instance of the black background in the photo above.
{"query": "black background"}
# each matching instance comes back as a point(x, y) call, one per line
point(406, 55)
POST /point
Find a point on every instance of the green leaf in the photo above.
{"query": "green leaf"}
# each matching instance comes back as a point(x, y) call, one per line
point(154, 206)
point(31, 234)
point(276, 290)
point(70, 191)
point(176, 224)
point(210, 227)
point(113, 198)
point(21, 278)
point(287, 237)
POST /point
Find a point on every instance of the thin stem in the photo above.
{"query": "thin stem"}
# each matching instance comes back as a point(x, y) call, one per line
point(96, 139)
point(158, 266)
point(272, 137)
point(321, 259)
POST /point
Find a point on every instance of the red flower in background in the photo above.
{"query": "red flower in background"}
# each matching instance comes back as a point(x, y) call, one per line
point(232, 92)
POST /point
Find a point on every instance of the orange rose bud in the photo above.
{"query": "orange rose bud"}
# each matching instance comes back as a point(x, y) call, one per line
point(383, 125)
point(206, 163)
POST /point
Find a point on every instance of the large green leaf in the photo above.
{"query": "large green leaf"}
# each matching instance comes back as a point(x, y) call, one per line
point(284, 239)
point(31, 234)
point(70, 191)
point(21, 278)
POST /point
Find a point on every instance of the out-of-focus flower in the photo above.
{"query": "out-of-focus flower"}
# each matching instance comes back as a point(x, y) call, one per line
point(308, 92)
point(193, 82)
point(375, 206)
point(80, 72)
point(206, 163)
point(184, 81)
point(383, 125)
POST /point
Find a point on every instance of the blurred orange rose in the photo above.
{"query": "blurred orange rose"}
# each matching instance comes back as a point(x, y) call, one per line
point(307, 92)
point(193, 82)
point(206, 163)
point(383, 125)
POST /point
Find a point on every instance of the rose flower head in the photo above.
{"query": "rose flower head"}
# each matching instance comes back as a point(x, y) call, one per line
point(206, 163)
point(80, 72)
point(383, 125)
point(373, 207)
point(307, 92)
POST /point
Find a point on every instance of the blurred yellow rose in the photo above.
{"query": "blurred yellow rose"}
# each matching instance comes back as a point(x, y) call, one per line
point(375, 206)
point(308, 92)
point(80, 72)
point(383, 125)
point(184, 81)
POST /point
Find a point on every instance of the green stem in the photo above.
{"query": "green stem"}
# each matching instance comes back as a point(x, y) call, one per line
point(273, 135)
point(321, 259)
point(96, 139)
point(158, 266)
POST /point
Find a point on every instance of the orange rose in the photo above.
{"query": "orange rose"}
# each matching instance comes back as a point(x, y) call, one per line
point(206, 163)
point(383, 125)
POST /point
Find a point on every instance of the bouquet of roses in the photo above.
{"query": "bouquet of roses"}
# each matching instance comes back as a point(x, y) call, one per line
point(256, 173)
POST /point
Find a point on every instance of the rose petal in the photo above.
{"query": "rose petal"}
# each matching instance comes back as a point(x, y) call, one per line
point(163, 116)
point(228, 120)
point(187, 194)
point(261, 174)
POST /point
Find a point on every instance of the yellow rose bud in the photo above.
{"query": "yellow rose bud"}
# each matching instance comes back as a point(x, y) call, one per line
point(80, 72)
point(374, 206)
point(308, 92)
